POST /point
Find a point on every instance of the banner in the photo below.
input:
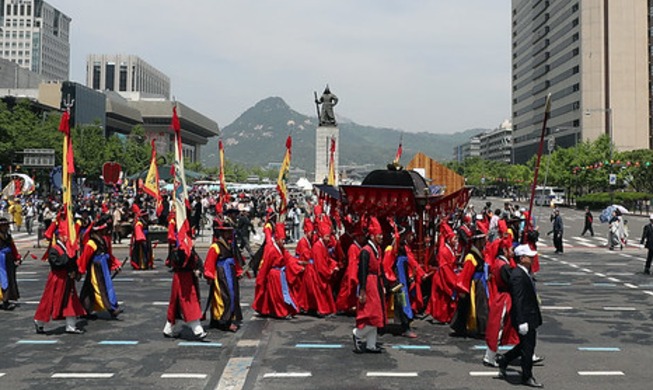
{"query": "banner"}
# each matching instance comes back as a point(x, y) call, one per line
point(67, 227)
point(180, 193)
point(283, 176)
point(151, 185)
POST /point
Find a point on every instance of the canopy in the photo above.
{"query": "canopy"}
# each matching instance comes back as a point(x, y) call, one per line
point(164, 174)
point(27, 187)
point(304, 184)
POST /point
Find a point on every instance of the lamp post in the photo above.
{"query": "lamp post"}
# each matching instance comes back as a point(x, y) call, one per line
point(608, 113)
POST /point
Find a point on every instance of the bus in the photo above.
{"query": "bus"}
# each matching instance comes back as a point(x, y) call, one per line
point(545, 196)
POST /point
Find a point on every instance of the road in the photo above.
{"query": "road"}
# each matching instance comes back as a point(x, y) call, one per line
point(596, 335)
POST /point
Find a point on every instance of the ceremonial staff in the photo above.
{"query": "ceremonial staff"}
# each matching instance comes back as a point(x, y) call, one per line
point(547, 111)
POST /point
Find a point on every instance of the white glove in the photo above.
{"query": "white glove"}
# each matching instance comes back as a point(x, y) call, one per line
point(523, 328)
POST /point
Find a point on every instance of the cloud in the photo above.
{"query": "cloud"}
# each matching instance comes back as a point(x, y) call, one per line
point(419, 65)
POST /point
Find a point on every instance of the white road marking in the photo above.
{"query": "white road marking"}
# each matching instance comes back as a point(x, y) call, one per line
point(183, 376)
point(26, 272)
point(492, 373)
point(287, 375)
point(625, 255)
point(556, 308)
point(235, 373)
point(573, 273)
point(160, 303)
point(82, 375)
point(599, 274)
point(586, 270)
point(616, 308)
point(619, 273)
point(574, 266)
point(648, 292)
point(248, 343)
point(379, 374)
point(2, 374)
point(587, 244)
point(630, 285)
point(601, 373)
point(614, 280)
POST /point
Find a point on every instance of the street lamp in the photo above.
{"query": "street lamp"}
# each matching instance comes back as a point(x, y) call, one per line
point(608, 112)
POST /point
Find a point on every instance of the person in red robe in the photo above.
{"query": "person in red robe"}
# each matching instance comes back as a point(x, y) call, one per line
point(278, 264)
point(499, 330)
point(347, 297)
point(98, 263)
point(304, 253)
point(140, 248)
point(221, 275)
point(59, 300)
point(184, 301)
point(370, 311)
point(317, 288)
point(443, 300)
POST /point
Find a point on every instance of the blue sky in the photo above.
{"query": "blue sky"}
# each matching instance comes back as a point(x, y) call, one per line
point(417, 65)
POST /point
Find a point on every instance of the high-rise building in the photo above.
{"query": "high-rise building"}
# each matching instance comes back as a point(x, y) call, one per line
point(593, 57)
point(125, 73)
point(35, 35)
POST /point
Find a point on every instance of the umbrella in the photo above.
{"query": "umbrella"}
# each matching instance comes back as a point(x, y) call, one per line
point(606, 214)
point(621, 208)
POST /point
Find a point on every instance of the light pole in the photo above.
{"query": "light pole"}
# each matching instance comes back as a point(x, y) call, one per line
point(608, 113)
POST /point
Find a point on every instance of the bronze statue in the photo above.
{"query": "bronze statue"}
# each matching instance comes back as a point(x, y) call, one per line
point(328, 100)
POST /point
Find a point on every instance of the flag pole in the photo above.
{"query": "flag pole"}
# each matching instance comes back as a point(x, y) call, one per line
point(547, 112)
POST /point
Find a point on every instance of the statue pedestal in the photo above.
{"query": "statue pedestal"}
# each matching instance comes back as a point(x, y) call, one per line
point(323, 136)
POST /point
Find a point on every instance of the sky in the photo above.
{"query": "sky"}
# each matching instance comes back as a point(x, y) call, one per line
point(439, 66)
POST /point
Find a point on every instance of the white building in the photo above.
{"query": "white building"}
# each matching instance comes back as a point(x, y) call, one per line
point(125, 73)
point(35, 35)
point(496, 145)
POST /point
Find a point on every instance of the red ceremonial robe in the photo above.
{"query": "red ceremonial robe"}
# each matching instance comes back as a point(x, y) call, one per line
point(442, 303)
point(304, 251)
point(499, 330)
point(184, 294)
point(272, 301)
point(372, 311)
point(347, 298)
point(316, 289)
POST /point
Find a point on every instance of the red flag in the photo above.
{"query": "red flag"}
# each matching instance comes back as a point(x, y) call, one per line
point(224, 194)
point(398, 155)
point(67, 228)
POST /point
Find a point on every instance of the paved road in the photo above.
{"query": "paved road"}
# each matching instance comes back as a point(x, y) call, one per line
point(596, 335)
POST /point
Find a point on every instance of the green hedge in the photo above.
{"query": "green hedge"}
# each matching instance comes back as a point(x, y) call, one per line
point(601, 200)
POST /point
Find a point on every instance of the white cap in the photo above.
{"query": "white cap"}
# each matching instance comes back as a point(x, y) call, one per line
point(479, 217)
point(524, 250)
point(517, 214)
point(650, 217)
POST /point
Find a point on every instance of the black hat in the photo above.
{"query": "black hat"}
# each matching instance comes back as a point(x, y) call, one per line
point(5, 221)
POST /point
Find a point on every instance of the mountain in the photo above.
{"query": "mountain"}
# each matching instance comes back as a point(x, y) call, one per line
point(258, 137)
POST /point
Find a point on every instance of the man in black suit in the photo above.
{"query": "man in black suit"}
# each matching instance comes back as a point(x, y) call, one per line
point(525, 316)
point(647, 240)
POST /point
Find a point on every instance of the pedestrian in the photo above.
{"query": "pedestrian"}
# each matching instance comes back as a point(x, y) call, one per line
point(9, 260)
point(30, 212)
point(525, 316)
point(59, 300)
point(98, 262)
point(647, 241)
point(244, 227)
point(117, 215)
point(16, 212)
point(140, 248)
point(370, 311)
point(558, 230)
point(220, 274)
point(589, 219)
point(615, 230)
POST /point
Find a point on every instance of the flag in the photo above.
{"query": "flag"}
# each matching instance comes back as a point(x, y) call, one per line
point(180, 193)
point(67, 228)
point(398, 155)
point(151, 186)
point(331, 180)
point(224, 194)
point(283, 176)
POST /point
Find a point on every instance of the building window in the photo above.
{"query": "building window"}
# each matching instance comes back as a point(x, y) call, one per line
point(96, 76)
point(123, 78)
point(109, 78)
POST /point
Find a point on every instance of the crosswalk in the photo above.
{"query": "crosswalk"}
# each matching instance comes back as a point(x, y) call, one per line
point(583, 242)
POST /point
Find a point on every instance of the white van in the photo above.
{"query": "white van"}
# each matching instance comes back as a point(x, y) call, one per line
point(544, 196)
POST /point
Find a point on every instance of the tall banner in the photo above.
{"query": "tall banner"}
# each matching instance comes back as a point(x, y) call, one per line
point(151, 185)
point(399, 151)
point(67, 227)
point(283, 176)
point(224, 194)
point(331, 180)
point(180, 193)
point(547, 112)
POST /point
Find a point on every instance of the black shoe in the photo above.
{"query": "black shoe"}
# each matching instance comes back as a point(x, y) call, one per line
point(75, 331)
point(39, 328)
point(531, 382)
point(503, 365)
point(373, 350)
point(647, 272)
point(357, 344)
point(116, 313)
point(8, 306)
point(538, 359)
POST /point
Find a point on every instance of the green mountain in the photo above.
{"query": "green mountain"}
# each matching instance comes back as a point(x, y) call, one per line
point(258, 137)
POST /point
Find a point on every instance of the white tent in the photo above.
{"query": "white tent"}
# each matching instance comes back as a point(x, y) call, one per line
point(304, 184)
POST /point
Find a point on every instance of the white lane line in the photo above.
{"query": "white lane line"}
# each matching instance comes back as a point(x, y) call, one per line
point(614, 280)
point(380, 374)
point(31, 302)
point(160, 303)
point(573, 273)
point(630, 285)
point(492, 373)
point(586, 270)
point(619, 273)
point(625, 255)
point(556, 308)
point(587, 244)
point(287, 375)
point(248, 343)
point(648, 292)
point(2, 374)
point(599, 274)
point(235, 373)
point(183, 376)
point(26, 272)
point(617, 308)
point(573, 265)
point(82, 375)
point(601, 373)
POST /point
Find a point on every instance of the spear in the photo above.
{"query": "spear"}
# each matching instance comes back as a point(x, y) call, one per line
point(317, 107)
